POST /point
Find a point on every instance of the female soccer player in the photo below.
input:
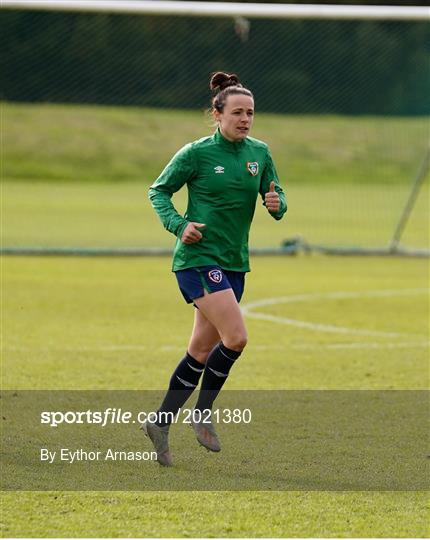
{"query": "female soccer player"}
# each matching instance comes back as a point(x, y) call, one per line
point(224, 174)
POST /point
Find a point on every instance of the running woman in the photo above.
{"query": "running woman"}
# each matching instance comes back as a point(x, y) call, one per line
point(224, 174)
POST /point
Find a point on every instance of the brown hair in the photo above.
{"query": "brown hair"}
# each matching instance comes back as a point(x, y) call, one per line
point(224, 85)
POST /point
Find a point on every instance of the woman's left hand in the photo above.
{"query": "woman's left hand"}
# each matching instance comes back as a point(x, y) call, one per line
point(271, 199)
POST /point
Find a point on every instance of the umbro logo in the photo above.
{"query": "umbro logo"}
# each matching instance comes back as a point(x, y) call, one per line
point(219, 169)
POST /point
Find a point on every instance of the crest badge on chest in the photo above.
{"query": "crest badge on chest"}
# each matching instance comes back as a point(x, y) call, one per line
point(252, 167)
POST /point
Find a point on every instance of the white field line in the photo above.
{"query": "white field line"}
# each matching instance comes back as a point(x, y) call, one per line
point(247, 310)
point(310, 297)
point(177, 348)
point(79, 348)
point(376, 345)
point(310, 346)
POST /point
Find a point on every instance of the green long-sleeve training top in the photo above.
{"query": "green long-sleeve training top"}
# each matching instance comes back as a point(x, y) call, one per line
point(224, 179)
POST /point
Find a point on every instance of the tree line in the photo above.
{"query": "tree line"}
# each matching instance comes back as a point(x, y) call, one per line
point(292, 66)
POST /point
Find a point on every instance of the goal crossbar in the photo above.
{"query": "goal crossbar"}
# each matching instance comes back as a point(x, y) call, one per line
point(226, 9)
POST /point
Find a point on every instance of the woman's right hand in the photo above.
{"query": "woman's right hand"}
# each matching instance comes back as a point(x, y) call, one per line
point(191, 233)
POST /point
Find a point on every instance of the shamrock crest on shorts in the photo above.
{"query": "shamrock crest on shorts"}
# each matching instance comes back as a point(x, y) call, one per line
point(215, 276)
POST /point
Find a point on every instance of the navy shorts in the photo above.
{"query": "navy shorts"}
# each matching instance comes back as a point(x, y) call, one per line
point(193, 281)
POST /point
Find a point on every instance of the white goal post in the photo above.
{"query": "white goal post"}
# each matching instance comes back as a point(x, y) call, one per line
point(227, 9)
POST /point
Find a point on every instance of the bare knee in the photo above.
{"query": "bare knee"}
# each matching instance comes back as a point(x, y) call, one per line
point(236, 341)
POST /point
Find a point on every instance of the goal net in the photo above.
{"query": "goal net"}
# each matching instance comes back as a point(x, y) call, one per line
point(97, 96)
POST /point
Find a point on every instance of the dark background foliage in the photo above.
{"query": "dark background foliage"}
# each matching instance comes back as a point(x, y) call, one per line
point(294, 66)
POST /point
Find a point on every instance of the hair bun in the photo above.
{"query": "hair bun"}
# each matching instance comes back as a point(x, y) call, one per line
point(221, 80)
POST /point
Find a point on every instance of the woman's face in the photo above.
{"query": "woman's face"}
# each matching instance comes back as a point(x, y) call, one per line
point(236, 119)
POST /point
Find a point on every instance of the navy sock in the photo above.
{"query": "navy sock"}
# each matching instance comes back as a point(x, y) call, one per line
point(182, 383)
point(218, 366)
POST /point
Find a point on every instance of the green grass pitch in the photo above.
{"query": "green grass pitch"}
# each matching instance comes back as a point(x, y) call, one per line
point(73, 176)
point(78, 175)
point(107, 323)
